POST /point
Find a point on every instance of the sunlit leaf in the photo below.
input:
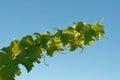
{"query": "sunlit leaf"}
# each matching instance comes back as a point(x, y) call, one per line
point(99, 30)
point(31, 49)
point(15, 46)
point(78, 26)
point(97, 27)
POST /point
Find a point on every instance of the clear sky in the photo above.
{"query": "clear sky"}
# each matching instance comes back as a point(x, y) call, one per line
point(100, 61)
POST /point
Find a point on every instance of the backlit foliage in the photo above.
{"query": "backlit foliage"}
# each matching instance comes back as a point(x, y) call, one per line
point(30, 48)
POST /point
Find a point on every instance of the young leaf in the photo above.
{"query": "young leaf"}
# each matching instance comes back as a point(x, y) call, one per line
point(14, 46)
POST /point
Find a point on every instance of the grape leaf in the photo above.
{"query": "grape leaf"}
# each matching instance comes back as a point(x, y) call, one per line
point(31, 49)
point(26, 42)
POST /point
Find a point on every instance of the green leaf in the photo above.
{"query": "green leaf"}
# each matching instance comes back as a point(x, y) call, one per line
point(7, 50)
point(51, 48)
point(88, 37)
point(27, 63)
point(69, 28)
point(28, 56)
point(73, 46)
point(65, 38)
point(4, 59)
point(8, 71)
point(47, 34)
point(28, 50)
point(78, 26)
point(26, 42)
point(99, 30)
point(54, 45)
point(15, 46)
point(33, 53)
point(57, 39)
point(97, 27)
point(18, 72)
point(37, 35)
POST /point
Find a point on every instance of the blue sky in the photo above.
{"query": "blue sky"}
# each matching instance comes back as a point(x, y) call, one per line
point(100, 61)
